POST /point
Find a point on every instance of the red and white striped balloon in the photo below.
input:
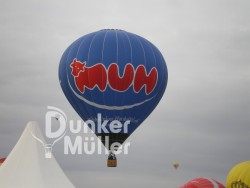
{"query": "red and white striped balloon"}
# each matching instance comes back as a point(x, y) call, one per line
point(2, 160)
point(203, 183)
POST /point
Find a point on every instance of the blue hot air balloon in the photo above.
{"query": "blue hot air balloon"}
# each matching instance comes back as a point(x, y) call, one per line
point(115, 78)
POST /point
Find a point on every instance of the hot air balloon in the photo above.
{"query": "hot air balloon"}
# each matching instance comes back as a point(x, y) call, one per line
point(239, 176)
point(176, 164)
point(113, 77)
point(2, 160)
point(202, 183)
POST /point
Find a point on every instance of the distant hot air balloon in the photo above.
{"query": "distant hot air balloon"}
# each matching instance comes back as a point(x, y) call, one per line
point(176, 164)
point(239, 176)
point(2, 160)
point(113, 77)
point(202, 183)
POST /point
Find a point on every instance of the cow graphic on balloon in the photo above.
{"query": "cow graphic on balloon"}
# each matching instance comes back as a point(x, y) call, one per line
point(114, 73)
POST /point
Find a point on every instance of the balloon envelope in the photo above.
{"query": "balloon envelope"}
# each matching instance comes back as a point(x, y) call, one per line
point(113, 75)
point(176, 164)
point(202, 183)
point(239, 176)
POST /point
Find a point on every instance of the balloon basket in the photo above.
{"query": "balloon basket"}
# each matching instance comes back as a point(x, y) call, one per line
point(112, 163)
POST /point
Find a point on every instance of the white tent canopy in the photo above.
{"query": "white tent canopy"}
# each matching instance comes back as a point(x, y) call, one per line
point(27, 167)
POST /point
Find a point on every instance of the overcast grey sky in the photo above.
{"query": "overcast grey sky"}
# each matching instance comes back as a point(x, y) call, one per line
point(203, 120)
